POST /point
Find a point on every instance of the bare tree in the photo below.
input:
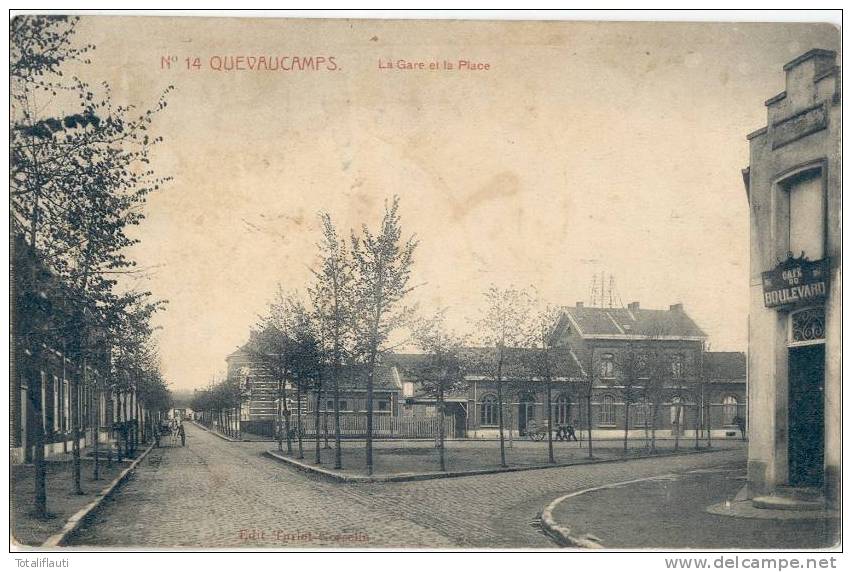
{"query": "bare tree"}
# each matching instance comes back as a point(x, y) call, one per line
point(382, 264)
point(628, 383)
point(442, 371)
point(543, 321)
point(331, 297)
point(504, 324)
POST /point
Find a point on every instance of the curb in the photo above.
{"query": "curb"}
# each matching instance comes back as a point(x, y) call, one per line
point(408, 477)
point(78, 517)
point(203, 428)
point(562, 534)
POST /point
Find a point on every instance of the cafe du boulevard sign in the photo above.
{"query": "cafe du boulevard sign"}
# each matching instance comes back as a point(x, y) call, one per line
point(795, 281)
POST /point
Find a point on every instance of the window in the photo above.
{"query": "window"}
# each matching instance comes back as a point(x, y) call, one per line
point(562, 409)
point(607, 410)
point(677, 411)
point(642, 413)
point(729, 410)
point(642, 366)
point(807, 325)
point(807, 214)
point(384, 405)
point(56, 396)
point(343, 405)
point(488, 411)
point(677, 366)
point(607, 366)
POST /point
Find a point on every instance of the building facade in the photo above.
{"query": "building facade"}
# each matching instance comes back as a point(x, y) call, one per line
point(793, 188)
point(47, 385)
point(695, 392)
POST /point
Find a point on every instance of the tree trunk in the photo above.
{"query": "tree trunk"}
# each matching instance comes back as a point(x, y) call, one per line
point(677, 427)
point(317, 421)
point(370, 373)
point(656, 409)
point(299, 419)
point(95, 416)
point(441, 454)
point(325, 427)
point(40, 500)
point(707, 420)
point(550, 458)
point(279, 421)
point(626, 423)
point(127, 445)
point(338, 452)
point(500, 406)
point(119, 413)
point(107, 423)
point(75, 431)
point(589, 420)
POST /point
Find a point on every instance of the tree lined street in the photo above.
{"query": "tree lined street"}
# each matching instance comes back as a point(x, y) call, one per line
point(216, 493)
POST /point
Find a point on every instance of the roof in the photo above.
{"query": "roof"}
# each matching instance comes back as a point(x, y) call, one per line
point(629, 323)
point(355, 377)
point(724, 366)
point(480, 362)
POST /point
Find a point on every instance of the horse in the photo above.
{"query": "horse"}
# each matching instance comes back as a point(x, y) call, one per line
point(173, 432)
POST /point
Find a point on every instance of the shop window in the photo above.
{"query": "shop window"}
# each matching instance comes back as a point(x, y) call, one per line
point(488, 411)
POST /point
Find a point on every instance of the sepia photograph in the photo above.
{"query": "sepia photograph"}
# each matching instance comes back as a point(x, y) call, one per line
point(424, 282)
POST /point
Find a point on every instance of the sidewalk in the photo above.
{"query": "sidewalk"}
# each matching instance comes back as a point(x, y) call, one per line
point(673, 511)
point(62, 503)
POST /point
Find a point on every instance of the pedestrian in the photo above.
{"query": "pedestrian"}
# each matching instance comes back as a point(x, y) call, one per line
point(182, 434)
point(570, 432)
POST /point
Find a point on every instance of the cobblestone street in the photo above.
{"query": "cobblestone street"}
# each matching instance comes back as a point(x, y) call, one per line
point(215, 493)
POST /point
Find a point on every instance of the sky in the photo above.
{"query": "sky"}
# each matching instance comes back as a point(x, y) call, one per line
point(583, 148)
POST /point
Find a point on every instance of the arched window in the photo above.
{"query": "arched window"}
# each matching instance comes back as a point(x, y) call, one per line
point(729, 410)
point(607, 366)
point(677, 412)
point(488, 411)
point(562, 409)
point(642, 413)
point(607, 410)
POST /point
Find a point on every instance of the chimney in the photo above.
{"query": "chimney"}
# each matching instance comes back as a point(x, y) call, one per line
point(633, 306)
point(676, 308)
point(579, 304)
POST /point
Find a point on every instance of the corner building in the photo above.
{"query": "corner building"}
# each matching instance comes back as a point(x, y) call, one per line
point(794, 357)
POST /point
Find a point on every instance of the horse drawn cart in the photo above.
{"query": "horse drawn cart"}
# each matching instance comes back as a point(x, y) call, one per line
point(169, 432)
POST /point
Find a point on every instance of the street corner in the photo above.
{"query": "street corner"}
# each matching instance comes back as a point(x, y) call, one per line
point(701, 508)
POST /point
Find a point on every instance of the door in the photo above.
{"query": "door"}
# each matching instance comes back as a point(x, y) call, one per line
point(806, 414)
point(526, 413)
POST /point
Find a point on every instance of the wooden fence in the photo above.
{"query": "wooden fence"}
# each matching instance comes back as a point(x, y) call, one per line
point(355, 426)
